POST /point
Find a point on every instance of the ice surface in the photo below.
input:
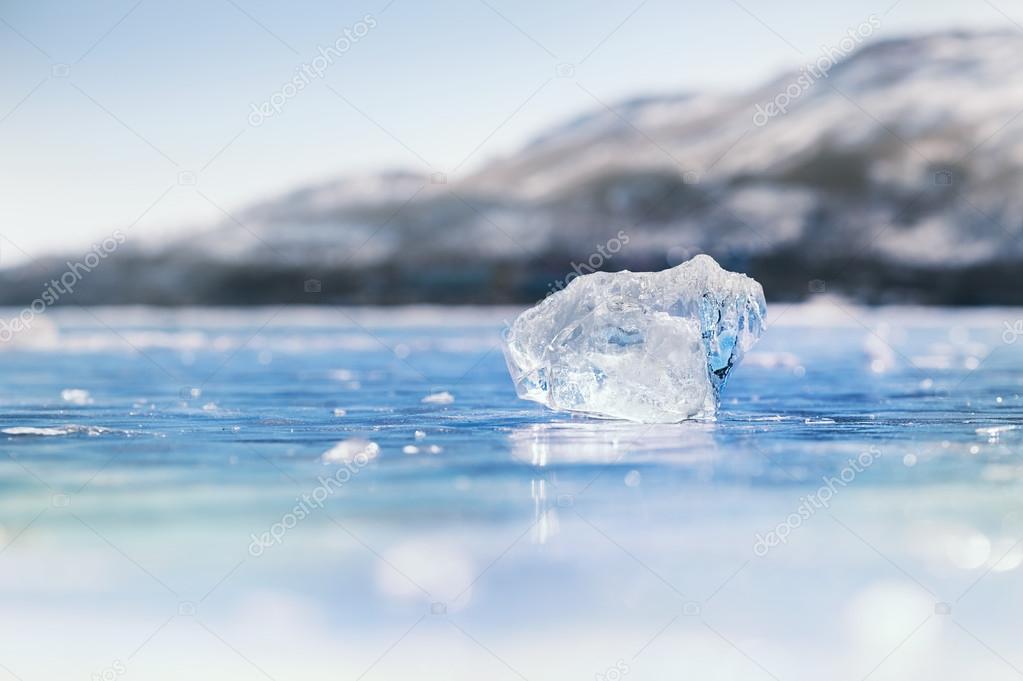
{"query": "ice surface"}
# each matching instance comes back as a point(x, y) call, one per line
point(652, 347)
point(438, 398)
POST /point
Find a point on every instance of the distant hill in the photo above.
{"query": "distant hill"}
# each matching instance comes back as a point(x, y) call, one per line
point(896, 177)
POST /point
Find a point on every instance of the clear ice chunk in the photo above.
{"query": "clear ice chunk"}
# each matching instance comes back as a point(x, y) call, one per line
point(653, 347)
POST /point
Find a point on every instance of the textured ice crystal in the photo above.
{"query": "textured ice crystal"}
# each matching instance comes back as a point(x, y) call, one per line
point(655, 347)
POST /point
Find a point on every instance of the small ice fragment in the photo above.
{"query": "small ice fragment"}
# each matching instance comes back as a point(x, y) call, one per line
point(443, 397)
point(355, 449)
point(435, 449)
point(76, 396)
point(420, 435)
point(28, 430)
point(340, 412)
point(71, 429)
point(993, 432)
point(410, 449)
point(209, 406)
point(653, 347)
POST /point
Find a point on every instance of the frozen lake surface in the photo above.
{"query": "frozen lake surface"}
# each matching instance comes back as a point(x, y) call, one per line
point(167, 511)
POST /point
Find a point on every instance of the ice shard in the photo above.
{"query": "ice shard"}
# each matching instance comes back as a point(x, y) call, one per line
point(653, 347)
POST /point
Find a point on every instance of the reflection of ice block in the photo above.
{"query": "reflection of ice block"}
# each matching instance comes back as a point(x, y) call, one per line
point(646, 346)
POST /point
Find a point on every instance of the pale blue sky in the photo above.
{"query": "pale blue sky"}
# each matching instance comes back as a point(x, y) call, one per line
point(152, 89)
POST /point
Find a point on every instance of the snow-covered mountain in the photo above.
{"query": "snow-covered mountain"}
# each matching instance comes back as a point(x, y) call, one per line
point(897, 175)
